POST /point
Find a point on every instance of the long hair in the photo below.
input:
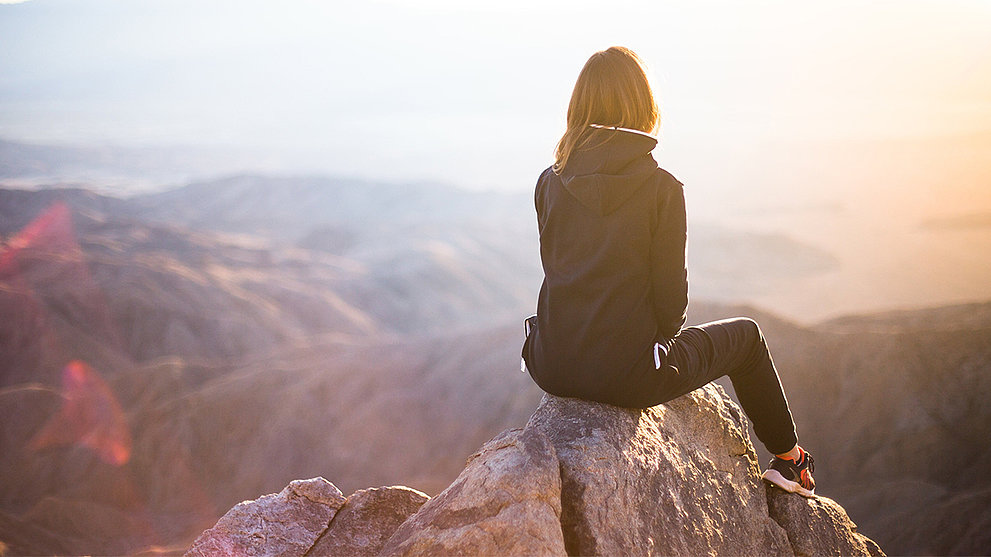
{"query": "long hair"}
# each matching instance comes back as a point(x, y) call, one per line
point(612, 91)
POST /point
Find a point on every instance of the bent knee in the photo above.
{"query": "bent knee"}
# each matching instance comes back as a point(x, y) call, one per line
point(751, 324)
point(750, 328)
point(744, 323)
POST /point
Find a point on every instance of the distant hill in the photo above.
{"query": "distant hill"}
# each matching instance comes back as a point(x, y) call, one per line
point(472, 256)
point(897, 405)
point(894, 407)
point(286, 208)
point(124, 170)
point(390, 225)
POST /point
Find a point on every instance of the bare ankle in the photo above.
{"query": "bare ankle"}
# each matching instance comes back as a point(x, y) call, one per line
point(794, 454)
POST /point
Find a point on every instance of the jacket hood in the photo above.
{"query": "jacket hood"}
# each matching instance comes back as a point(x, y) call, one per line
point(604, 176)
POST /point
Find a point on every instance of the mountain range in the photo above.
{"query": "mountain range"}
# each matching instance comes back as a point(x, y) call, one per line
point(167, 355)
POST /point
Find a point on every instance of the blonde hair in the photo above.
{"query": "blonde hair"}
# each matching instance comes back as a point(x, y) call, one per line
point(612, 91)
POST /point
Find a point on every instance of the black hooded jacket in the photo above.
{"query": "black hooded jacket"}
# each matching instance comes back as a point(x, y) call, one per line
point(612, 244)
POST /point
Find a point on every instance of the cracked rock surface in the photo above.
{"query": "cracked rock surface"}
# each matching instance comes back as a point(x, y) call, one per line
point(818, 526)
point(285, 523)
point(507, 501)
point(674, 479)
point(362, 526)
point(581, 478)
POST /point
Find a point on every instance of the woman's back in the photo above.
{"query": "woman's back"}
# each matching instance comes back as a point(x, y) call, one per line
point(604, 223)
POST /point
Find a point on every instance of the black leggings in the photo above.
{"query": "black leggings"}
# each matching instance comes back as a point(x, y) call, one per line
point(735, 347)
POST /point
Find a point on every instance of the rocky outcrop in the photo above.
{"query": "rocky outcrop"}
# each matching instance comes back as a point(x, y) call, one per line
point(591, 479)
point(287, 523)
point(506, 502)
point(367, 519)
point(674, 479)
point(818, 526)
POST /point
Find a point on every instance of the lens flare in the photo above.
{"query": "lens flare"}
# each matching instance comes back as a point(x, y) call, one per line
point(44, 263)
point(90, 416)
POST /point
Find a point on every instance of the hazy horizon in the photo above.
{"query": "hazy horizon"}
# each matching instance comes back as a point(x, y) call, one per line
point(475, 95)
point(850, 127)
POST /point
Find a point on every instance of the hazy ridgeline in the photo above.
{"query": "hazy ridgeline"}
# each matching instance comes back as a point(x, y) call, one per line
point(169, 354)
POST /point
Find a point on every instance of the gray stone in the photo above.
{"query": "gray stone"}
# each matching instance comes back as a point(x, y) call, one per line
point(368, 518)
point(284, 524)
point(818, 526)
point(505, 502)
point(676, 479)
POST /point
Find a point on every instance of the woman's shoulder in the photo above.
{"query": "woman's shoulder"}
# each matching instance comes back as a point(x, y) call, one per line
point(665, 178)
point(667, 188)
point(547, 173)
point(545, 178)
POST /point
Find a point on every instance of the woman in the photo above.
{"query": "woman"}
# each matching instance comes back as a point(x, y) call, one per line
point(611, 310)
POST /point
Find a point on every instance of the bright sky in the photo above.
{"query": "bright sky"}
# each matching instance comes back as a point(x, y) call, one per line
point(475, 93)
point(844, 124)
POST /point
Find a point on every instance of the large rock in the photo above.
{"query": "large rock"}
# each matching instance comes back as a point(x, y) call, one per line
point(674, 479)
point(507, 501)
point(818, 526)
point(285, 524)
point(367, 519)
point(592, 479)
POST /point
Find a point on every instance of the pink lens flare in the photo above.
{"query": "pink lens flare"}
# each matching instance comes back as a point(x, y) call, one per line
point(90, 416)
point(44, 263)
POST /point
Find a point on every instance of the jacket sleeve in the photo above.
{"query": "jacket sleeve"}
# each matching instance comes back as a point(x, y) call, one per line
point(539, 193)
point(669, 271)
